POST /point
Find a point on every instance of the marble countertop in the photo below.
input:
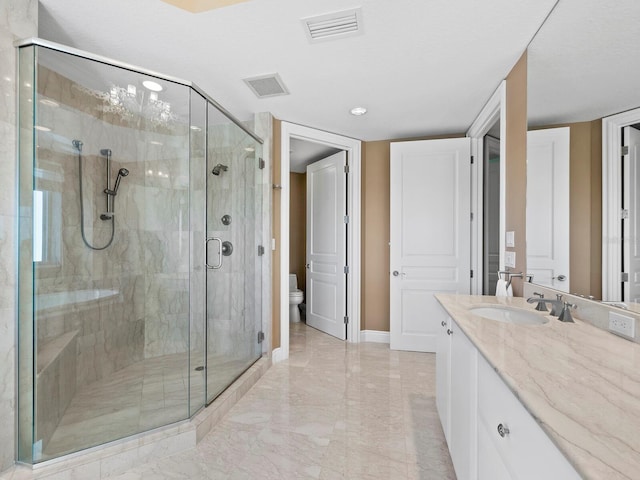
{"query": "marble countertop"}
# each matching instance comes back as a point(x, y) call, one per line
point(580, 383)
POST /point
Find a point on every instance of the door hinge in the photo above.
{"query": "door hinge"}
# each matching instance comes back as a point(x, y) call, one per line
point(261, 163)
point(260, 250)
point(260, 337)
point(471, 273)
point(346, 169)
point(624, 150)
point(346, 320)
point(472, 159)
point(624, 277)
point(346, 219)
point(624, 214)
point(346, 269)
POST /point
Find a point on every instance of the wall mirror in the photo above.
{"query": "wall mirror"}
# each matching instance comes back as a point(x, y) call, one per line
point(581, 69)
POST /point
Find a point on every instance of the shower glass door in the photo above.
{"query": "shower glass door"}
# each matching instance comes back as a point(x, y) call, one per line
point(234, 271)
point(127, 320)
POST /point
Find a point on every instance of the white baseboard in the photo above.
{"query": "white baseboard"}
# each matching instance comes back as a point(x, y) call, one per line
point(374, 336)
point(277, 355)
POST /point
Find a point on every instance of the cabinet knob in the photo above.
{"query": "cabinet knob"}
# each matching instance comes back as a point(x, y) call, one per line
point(502, 430)
point(449, 331)
point(443, 323)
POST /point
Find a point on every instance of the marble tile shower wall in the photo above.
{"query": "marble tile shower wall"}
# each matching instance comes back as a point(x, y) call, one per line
point(18, 19)
point(233, 299)
point(148, 261)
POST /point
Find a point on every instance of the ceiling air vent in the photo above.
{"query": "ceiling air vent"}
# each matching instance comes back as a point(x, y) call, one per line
point(267, 85)
point(333, 25)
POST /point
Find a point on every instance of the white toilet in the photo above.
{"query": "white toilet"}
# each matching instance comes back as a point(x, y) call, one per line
point(295, 298)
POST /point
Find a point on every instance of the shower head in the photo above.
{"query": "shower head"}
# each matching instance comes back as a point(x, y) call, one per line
point(219, 168)
point(123, 172)
point(106, 152)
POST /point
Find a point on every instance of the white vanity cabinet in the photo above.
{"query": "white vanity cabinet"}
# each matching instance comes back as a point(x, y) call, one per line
point(443, 375)
point(491, 436)
point(456, 395)
point(523, 448)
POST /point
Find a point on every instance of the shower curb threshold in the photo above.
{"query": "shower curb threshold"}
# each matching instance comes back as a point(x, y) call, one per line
point(117, 457)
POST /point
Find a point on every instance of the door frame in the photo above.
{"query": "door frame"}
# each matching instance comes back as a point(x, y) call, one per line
point(495, 109)
point(611, 202)
point(353, 148)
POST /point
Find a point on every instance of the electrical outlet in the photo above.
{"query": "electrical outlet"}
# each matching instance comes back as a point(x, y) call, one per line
point(510, 259)
point(622, 325)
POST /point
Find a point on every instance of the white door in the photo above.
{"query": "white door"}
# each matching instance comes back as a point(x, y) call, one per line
point(548, 207)
point(326, 245)
point(631, 202)
point(430, 236)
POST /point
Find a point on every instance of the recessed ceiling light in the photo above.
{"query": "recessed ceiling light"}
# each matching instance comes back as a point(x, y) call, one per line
point(49, 103)
point(151, 85)
point(357, 111)
point(42, 129)
point(194, 128)
point(250, 149)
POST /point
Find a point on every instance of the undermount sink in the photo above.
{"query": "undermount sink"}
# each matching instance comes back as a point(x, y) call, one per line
point(505, 314)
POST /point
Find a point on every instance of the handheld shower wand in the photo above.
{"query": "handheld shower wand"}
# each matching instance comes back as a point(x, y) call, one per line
point(123, 172)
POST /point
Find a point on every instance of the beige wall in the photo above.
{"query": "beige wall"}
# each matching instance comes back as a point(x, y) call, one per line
point(585, 206)
point(275, 228)
point(376, 202)
point(375, 236)
point(516, 164)
point(298, 227)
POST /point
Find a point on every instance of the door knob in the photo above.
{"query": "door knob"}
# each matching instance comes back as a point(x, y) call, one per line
point(560, 278)
point(396, 273)
point(308, 266)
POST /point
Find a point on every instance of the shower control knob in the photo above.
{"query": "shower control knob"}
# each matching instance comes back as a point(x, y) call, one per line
point(227, 248)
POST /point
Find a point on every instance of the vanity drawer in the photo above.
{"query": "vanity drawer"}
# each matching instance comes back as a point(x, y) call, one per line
point(526, 450)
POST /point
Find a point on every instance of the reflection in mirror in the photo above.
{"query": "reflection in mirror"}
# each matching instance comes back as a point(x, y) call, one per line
point(548, 157)
point(580, 71)
point(491, 210)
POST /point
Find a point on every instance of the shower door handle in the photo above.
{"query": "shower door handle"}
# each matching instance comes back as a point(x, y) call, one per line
point(206, 253)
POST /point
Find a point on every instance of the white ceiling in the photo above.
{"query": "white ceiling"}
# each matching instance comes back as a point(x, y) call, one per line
point(583, 63)
point(421, 67)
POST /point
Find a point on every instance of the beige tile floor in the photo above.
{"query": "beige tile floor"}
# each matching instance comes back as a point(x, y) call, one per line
point(332, 411)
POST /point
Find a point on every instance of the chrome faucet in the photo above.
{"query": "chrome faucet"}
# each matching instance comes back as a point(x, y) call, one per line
point(556, 310)
point(541, 306)
point(565, 315)
point(560, 309)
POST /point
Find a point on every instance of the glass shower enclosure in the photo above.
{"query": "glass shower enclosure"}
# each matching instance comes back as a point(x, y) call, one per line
point(139, 255)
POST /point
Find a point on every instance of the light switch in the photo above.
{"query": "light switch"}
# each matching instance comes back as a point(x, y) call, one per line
point(510, 259)
point(511, 239)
